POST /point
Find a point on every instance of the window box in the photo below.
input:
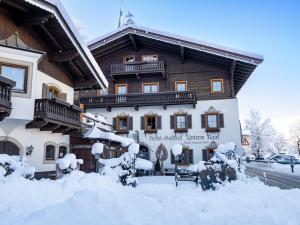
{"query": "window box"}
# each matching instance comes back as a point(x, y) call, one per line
point(150, 123)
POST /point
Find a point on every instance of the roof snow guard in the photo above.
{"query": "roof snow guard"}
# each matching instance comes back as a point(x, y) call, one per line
point(62, 38)
point(241, 63)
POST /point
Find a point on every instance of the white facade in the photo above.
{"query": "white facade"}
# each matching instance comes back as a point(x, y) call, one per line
point(13, 128)
point(196, 138)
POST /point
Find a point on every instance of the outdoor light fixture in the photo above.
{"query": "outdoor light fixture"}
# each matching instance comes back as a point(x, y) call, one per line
point(29, 150)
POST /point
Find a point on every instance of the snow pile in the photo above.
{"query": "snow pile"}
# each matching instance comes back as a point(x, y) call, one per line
point(220, 155)
point(14, 167)
point(143, 164)
point(134, 148)
point(69, 161)
point(197, 167)
point(98, 120)
point(177, 149)
point(96, 133)
point(97, 148)
point(81, 198)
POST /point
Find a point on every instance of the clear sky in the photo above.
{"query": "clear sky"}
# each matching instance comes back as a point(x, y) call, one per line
point(270, 28)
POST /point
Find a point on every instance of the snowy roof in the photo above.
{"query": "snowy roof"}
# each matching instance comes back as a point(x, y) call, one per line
point(55, 7)
point(180, 40)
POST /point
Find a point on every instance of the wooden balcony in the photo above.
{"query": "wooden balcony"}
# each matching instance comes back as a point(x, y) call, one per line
point(136, 100)
point(138, 68)
point(6, 86)
point(56, 115)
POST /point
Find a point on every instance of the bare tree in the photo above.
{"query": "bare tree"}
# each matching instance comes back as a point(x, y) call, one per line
point(261, 133)
point(295, 135)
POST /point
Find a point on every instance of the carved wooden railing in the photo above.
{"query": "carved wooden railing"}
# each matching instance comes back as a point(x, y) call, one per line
point(138, 67)
point(135, 100)
point(6, 86)
point(57, 110)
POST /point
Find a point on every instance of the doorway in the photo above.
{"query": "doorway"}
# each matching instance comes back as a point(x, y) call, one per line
point(9, 148)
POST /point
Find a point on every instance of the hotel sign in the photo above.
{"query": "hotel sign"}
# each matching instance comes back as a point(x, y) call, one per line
point(185, 138)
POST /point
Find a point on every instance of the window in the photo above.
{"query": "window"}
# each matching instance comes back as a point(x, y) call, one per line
point(122, 124)
point(121, 89)
point(185, 158)
point(180, 122)
point(50, 152)
point(149, 58)
point(216, 86)
point(53, 92)
point(62, 151)
point(150, 123)
point(16, 73)
point(129, 59)
point(180, 85)
point(150, 87)
point(212, 121)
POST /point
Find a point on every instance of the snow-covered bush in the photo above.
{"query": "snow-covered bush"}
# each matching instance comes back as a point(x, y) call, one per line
point(120, 169)
point(15, 166)
point(68, 163)
point(222, 167)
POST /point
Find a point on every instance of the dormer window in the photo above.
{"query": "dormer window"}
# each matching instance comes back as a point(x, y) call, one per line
point(150, 58)
point(128, 58)
point(216, 86)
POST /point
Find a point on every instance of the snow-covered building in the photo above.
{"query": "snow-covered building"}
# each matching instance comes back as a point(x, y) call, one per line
point(166, 89)
point(42, 61)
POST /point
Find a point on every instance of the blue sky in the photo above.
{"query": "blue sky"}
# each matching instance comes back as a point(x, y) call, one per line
point(270, 28)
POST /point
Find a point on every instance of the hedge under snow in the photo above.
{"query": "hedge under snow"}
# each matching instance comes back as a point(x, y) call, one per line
point(69, 161)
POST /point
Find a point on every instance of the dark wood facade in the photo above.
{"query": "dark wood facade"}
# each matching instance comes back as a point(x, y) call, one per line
point(65, 57)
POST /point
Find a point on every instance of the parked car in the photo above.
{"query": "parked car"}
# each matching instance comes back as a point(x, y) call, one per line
point(284, 159)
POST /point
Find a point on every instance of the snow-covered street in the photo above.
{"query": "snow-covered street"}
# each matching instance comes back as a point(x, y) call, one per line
point(92, 199)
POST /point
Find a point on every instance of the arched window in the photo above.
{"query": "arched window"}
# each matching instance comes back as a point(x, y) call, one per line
point(50, 152)
point(62, 151)
point(53, 92)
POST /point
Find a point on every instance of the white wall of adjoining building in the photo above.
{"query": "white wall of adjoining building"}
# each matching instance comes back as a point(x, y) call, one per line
point(13, 128)
point(196, 138)
point(23, 104)
point(14, 131)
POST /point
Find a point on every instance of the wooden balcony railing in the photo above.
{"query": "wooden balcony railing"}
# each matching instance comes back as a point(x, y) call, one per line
point(136, 100)
point(6, 86)
point(55, 115)
point(138, 68)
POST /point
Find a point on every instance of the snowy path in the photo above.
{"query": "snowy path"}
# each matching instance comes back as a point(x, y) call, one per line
point(90, 199)
point(274, 178)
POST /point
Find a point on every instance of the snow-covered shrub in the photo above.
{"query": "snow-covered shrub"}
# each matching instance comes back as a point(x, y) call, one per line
point(15, 166)
point(68, 163)
point(120, 169)
point(222, 167)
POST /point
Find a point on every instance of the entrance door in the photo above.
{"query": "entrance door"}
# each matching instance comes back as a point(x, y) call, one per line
point(89, 162)
point(9, 148)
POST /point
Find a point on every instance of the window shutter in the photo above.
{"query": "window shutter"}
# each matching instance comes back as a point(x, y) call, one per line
point(189, 121)
point(159, 122)
point(203, 121)
point(63, 96)
point(172, 158)
point(191, 156)
point(115, 123)
point(172, 122)
point(45, 91)
point(130, 123)
point(142, 123)
point(221, 120)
